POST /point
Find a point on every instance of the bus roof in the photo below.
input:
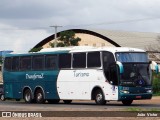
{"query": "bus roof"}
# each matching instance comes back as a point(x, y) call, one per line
point(79, 49)
point(90, 48)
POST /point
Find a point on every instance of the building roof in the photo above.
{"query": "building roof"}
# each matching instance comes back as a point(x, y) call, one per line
point(140, 40)
point(3, 53)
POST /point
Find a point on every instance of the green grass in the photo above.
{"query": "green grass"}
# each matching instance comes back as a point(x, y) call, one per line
point(156, 94)
point(155, 109)
point(134, 109)
point(156, 84)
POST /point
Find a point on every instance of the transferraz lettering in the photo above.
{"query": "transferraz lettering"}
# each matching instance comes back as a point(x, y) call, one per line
point(35, 76)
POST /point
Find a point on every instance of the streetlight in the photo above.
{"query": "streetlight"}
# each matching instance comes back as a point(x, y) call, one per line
point(55, 36)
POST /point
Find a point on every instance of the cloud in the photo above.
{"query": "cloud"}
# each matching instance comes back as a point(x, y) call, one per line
point(20, 40)
point(26, 22)
point(79, 12)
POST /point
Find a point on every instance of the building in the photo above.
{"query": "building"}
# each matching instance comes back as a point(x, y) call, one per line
point(2, 54)
point(101, 38)
point(98, 38)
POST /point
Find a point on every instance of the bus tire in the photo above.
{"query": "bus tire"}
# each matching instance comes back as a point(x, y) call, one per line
point(67, 101)
point(2, 97)
point(39, 97)
point(56, 101)
point(27, 96)
point(99, 97)
point(18, 99)
point(127, 102)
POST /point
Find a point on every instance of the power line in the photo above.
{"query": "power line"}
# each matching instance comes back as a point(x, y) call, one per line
point(86, 25)
point(114, 22)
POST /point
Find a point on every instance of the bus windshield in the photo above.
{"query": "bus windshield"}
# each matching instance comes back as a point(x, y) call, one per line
point(135, 74)
point(131, 57)
point(136, 68)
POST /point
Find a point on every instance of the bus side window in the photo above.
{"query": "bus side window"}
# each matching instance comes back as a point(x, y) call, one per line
point(65, 60)
point(8, 63)
point(79, 60)
point(93, 59)
point(15, 63)
point(51, 62)
point(25, 63)
point(38, 62)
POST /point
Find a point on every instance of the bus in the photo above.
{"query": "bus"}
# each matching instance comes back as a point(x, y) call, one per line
point(79, 73)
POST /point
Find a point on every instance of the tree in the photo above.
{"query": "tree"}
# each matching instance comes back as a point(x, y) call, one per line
point(67, 38)
point(156, 83)
point(35, 49)
point(1, 60)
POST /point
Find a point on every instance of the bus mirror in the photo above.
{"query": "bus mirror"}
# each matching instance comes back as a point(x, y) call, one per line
point(120, 65)
point(157, 69)
point(154, 66)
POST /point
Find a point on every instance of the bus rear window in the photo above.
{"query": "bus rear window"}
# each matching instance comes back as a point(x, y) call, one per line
point(8, 63)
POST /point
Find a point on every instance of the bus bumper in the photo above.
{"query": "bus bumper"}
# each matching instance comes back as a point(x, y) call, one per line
point(134, 96)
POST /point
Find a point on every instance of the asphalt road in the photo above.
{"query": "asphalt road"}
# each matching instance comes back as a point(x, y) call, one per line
point(81, 109)
point(10, 105)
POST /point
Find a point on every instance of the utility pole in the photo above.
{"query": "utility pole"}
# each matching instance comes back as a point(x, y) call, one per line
point(55, 36)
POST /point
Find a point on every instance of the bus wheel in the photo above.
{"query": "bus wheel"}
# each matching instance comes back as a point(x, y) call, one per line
point(39, 97)
point(2, 97)
point(17, 99)
point(99, 97)
point(53, 101)
point(67, 101)
point(27, 96)
point(127, 102)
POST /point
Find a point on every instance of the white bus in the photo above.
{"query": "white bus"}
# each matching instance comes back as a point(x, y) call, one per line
point(79, 73)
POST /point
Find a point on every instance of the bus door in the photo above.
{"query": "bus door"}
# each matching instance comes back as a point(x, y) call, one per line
point(113, 80)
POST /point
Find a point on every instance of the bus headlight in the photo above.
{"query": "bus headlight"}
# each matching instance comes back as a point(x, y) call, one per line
point(125, 91)
point(149, 91)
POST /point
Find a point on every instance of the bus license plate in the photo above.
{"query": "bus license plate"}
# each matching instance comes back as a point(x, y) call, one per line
point(138, 97)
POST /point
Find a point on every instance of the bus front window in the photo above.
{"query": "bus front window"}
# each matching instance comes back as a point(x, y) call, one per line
point(128, 57)
point(136, 69)
point(135, 75)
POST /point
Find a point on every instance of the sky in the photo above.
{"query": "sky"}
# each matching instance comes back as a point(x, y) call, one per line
point(24, 23)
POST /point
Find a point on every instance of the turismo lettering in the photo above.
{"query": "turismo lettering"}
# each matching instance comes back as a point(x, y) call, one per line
point(80, 74)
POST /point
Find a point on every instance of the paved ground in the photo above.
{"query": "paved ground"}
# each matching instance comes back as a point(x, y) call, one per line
point(140, 105)
point(80, 106)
